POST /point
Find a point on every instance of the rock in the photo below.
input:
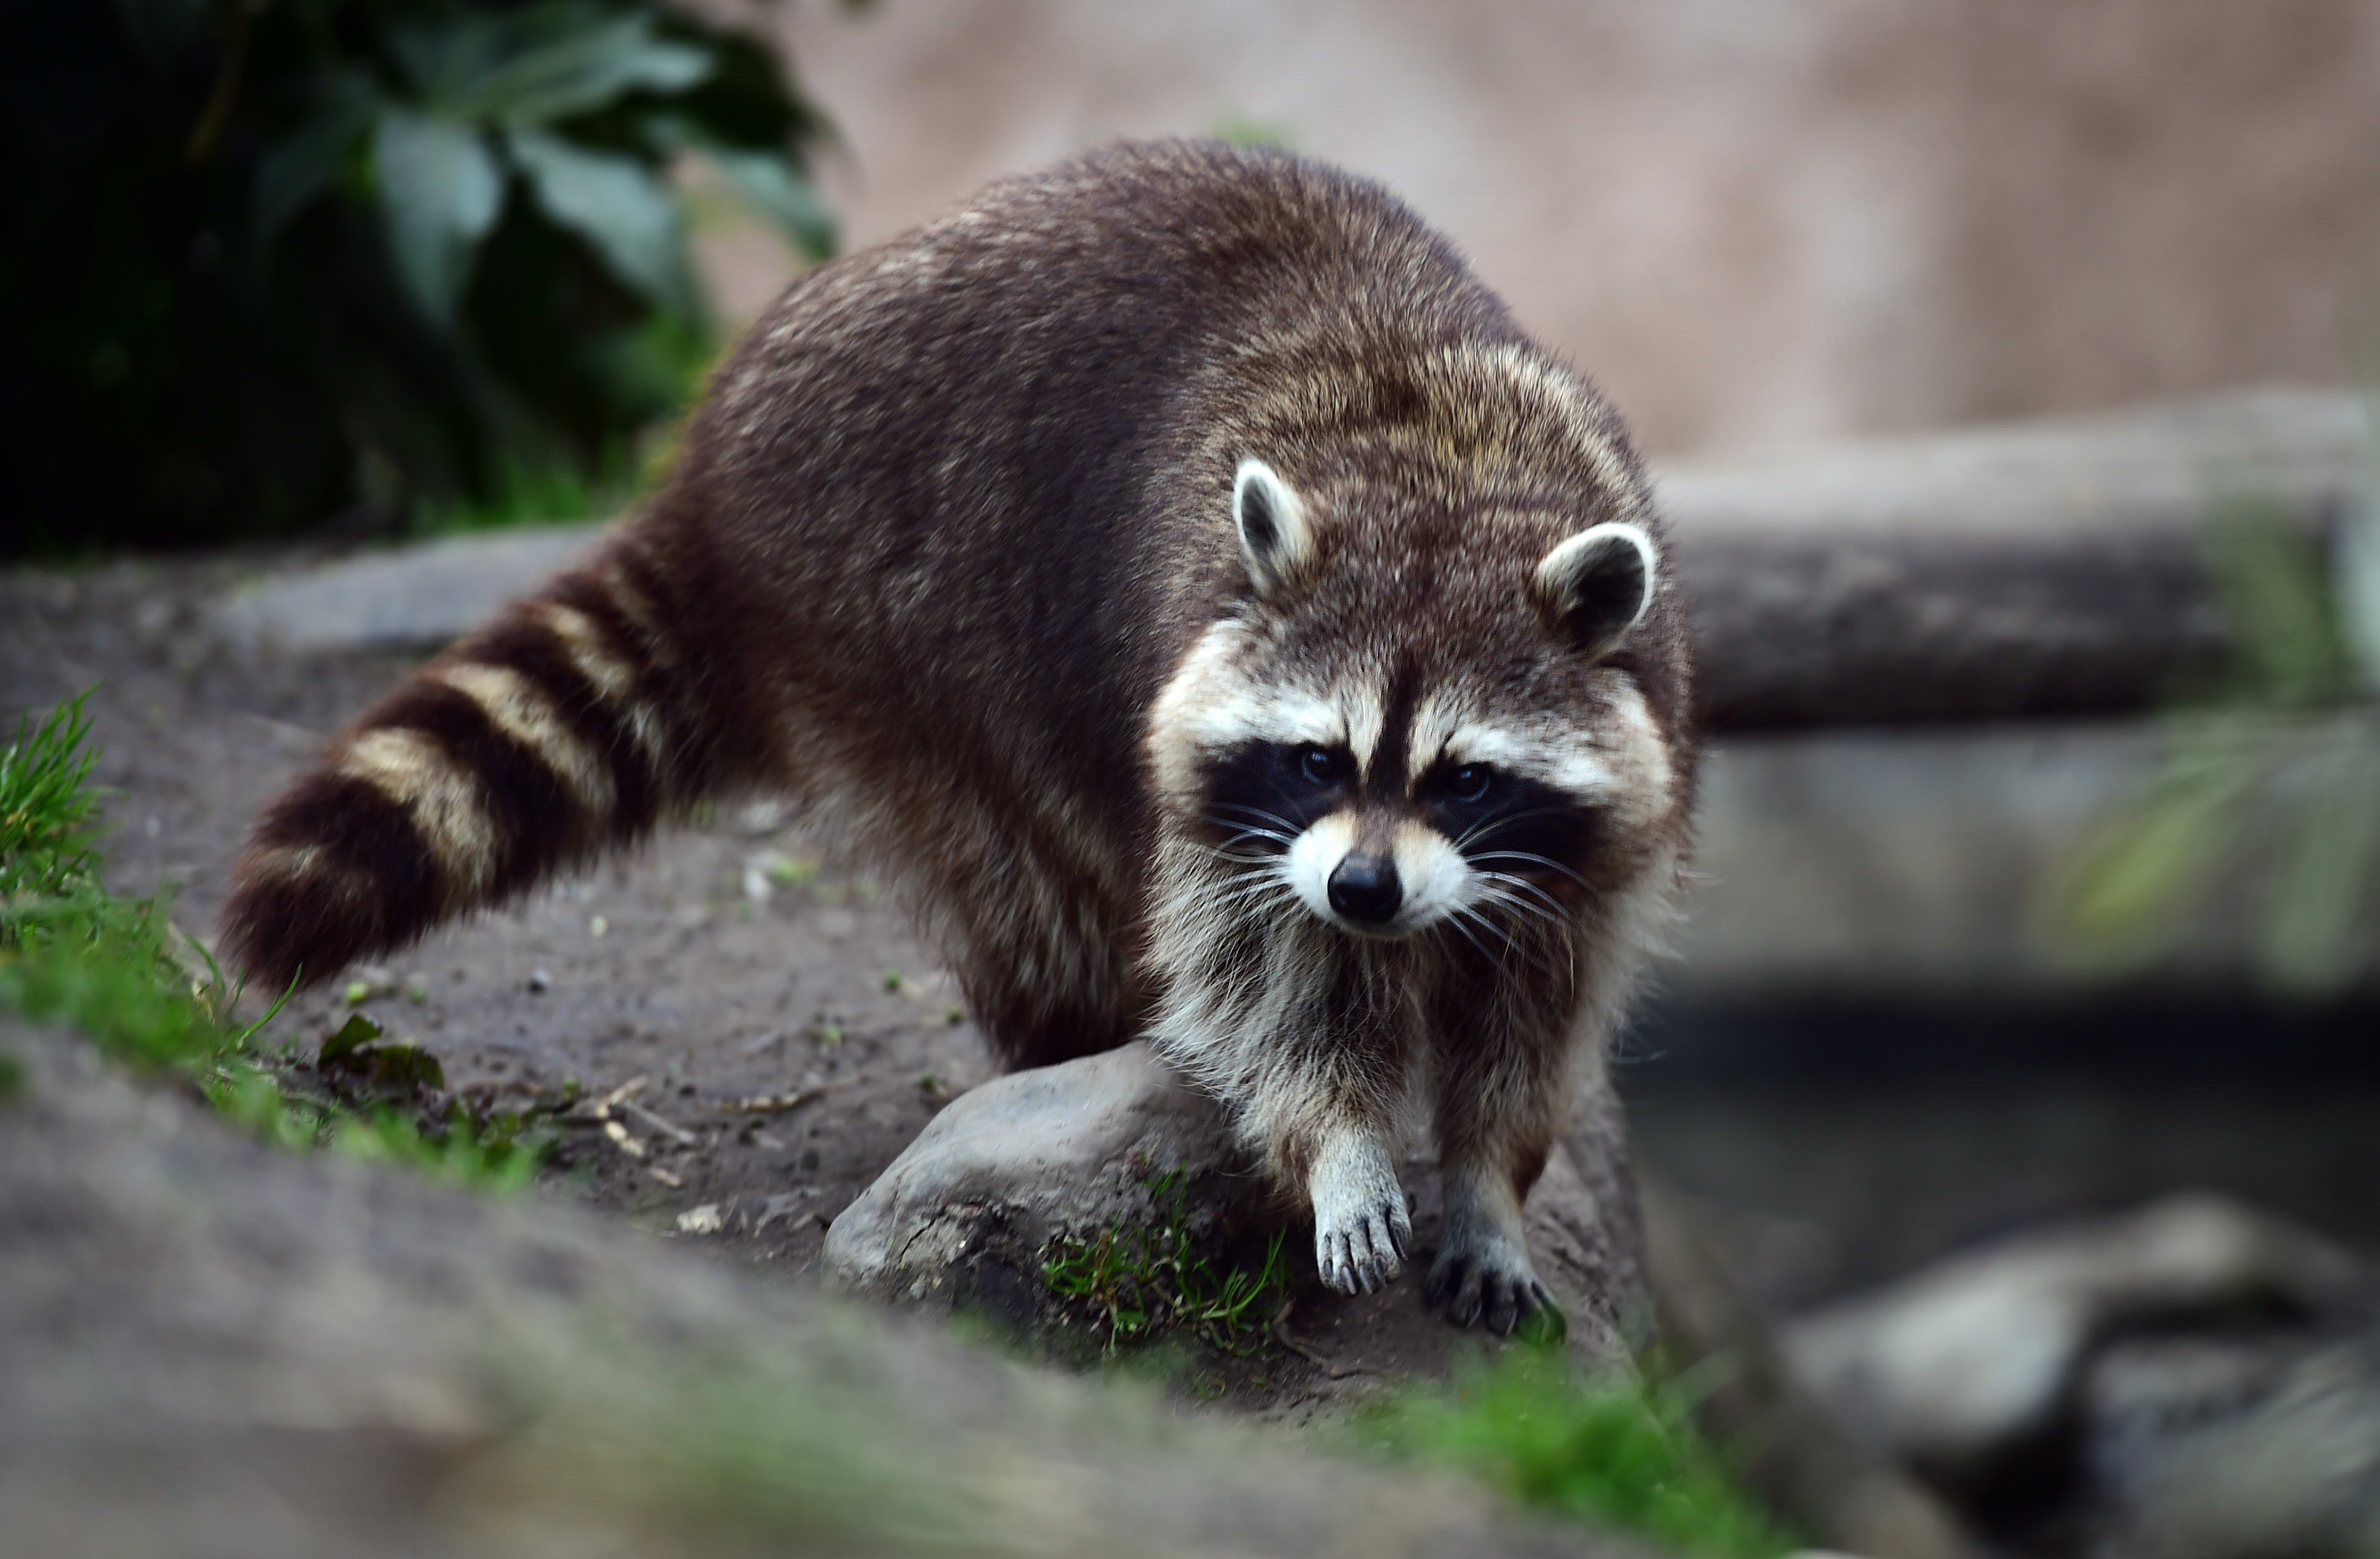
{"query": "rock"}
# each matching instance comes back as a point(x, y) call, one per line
point(1832, 1484)
point(963, 1215)
point(1967, 1366)
point(2236, 1448)
point(405, 598)
point(210, 1348)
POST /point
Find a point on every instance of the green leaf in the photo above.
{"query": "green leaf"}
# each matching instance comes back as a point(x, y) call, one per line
point(439, 192)
point(2359, 586)
point(399, 1068)
point(770, 180)
point(2149, 862)
point(617, 204)
point(2278, 602)
point(302, 164)
point(353, 1036)
point(2313, 922)
point(549, 62)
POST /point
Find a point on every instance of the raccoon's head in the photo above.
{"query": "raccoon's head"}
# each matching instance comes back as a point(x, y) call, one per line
point(1415, 717)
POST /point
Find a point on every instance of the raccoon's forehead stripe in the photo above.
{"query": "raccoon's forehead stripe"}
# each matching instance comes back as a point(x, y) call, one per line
point(1366, 708)
point(1433, 724)
point(1383, 761)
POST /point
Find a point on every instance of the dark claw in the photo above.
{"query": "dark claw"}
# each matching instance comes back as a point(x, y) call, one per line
point(1470, 1292)
point(1502, 1305)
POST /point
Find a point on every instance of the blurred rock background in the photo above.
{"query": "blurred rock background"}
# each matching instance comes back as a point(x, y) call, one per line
point(1753, 222)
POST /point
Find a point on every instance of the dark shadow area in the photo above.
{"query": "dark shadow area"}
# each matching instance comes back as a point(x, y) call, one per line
point(1846, 1143)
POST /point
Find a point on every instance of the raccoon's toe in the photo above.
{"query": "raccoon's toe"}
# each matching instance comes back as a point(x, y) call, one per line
point(1367, 1251)
point(1495, 1287)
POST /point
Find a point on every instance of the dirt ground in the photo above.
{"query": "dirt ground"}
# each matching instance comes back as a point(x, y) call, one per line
point(791, 1036)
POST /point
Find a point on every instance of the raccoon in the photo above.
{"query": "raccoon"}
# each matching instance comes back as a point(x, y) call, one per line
point(1210, 613)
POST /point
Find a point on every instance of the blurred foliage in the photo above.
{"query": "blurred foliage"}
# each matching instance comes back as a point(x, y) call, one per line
point(1613, 1450)
point(2271, 791)
point(263, 262)
point(1243, 131)
point(526, 494)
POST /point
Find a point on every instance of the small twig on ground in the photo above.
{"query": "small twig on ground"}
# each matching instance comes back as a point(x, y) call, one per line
point(1280, 1334)
point(679, 1134)
point(792, 1098)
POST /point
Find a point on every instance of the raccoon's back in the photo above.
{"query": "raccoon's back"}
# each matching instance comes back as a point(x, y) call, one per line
point(968, 479)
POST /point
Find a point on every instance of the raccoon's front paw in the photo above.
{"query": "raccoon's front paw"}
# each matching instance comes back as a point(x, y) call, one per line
point(1487, 1280)
point(1361, 1228)
point(1365, 1247)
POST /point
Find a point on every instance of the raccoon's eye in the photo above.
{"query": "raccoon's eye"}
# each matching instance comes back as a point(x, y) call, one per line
point(1320, 765)
point(1469, 784)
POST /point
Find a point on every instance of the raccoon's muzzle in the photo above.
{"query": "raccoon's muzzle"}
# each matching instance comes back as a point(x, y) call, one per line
point(1365, 889)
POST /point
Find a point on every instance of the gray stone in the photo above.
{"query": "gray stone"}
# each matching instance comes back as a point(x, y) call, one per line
point(1969, 1363)
point(963, 1217)
point(1065, 1148)
point(405, 598)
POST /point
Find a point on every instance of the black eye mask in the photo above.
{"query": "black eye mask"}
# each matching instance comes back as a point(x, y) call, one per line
point(1261, 796)
point(1509, 820)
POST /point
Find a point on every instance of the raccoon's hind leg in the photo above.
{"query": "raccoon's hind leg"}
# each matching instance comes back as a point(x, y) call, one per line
point(1498, 1109)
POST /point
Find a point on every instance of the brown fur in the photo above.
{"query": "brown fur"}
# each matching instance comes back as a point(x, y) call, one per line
point(948, 527)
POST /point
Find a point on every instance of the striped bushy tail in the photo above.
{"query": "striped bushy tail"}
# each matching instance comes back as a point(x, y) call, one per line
point(570, 725)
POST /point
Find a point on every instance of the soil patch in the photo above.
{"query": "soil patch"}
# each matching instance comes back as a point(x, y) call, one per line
point(789, 1034)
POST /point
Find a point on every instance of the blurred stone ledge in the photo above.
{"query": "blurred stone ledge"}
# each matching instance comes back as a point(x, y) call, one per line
point(412, 597)
point(2025, 570)
point(208, 1348)
point(1916, 864)
point(2046, 568)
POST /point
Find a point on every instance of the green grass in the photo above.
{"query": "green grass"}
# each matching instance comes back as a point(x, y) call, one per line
point(1137, 1282)
point(1612, 1450)
point(526, 494)
point(47, 811)
point(117, 970)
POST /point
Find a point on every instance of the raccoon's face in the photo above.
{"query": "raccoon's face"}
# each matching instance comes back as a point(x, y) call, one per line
point(1399, 733)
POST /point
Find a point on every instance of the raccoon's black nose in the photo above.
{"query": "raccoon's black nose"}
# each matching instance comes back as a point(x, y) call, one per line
point(1366, 888)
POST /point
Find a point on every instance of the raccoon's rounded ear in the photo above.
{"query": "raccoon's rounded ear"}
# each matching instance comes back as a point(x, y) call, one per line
point(1272, 522)
point(1597, 585)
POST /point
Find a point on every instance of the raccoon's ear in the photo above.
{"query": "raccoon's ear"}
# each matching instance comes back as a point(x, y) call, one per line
point(1597, 585)
point(1273, 535)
